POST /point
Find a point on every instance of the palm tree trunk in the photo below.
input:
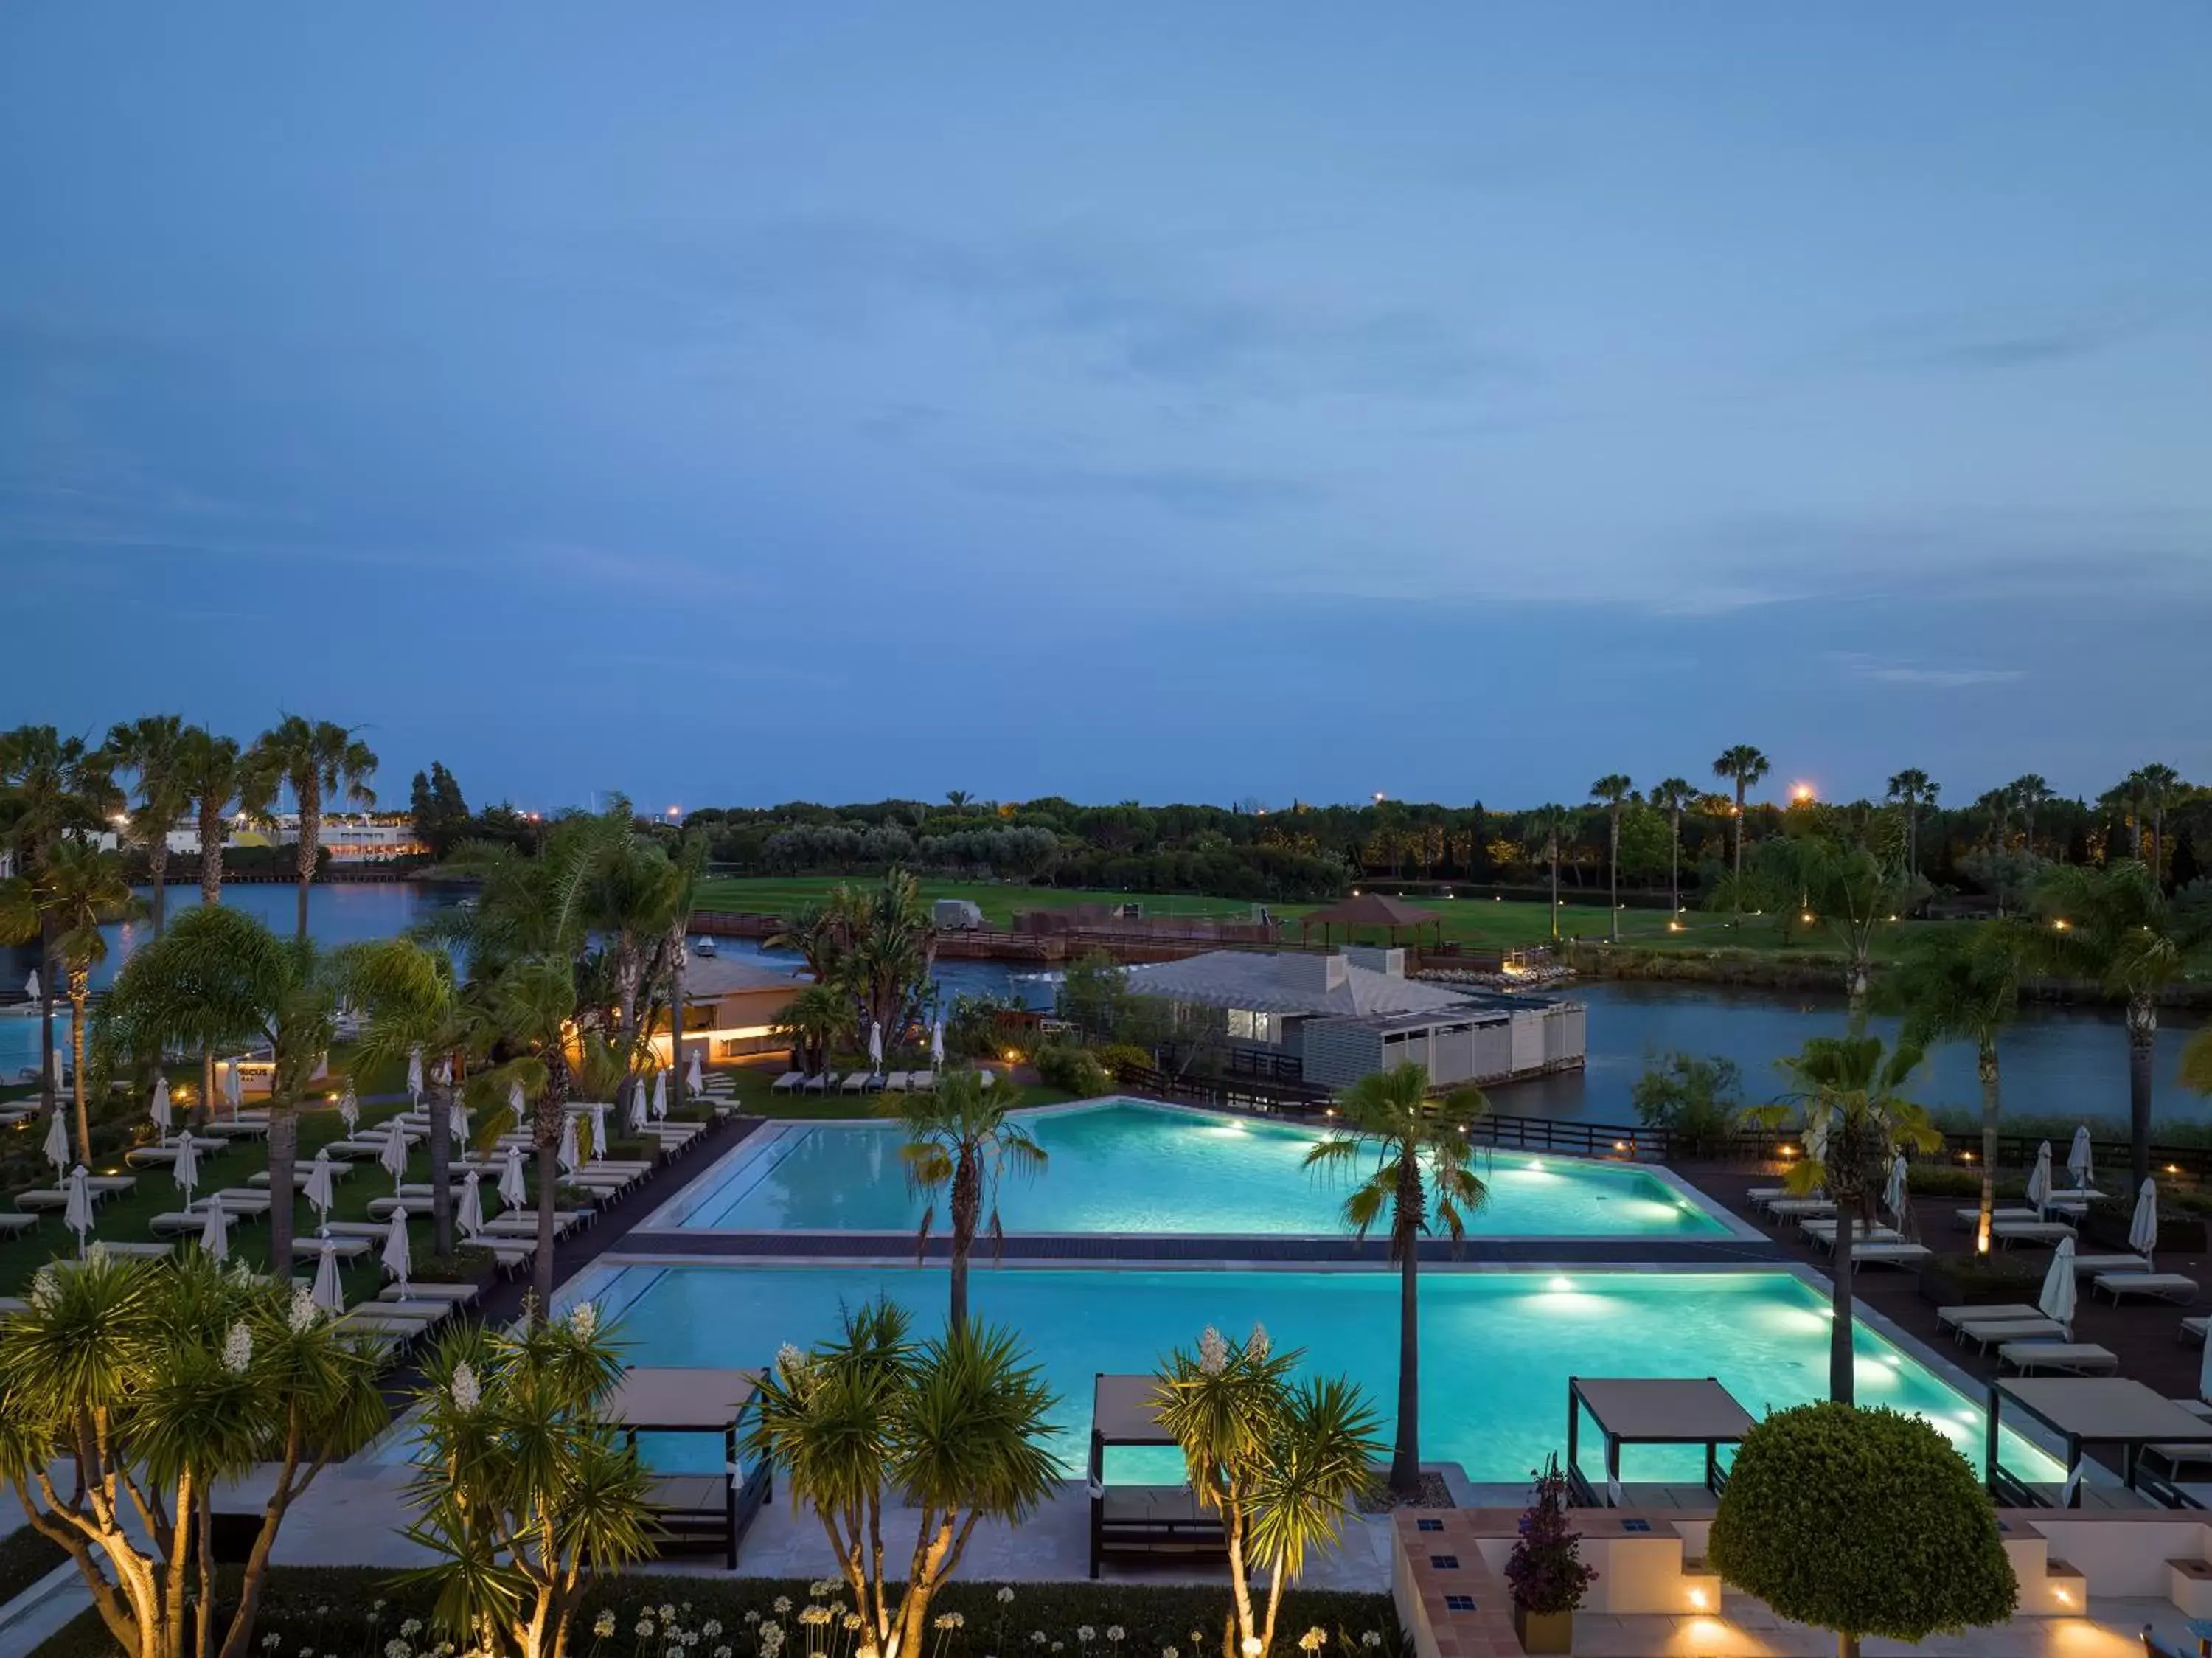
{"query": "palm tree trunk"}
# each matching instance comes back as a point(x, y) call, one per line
point(80, 989)
point(1911, 835)
point(211, 833)
point(541, 1265)
point(1674, 869)
point(2143, 1039)
point(1612, 914)
point(1992, 1109)
point(1405, 1455)
point(206, 1108)
point(441, 1171)
point(1739, 849)
point(311, 830)
point(1555, 886)
point(1841, 1360)
point(283, 1159)
point(46, 1100)
point(157, 866)
point(967, 1203)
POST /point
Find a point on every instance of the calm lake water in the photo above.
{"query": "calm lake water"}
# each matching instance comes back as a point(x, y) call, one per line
point(2071, 1062)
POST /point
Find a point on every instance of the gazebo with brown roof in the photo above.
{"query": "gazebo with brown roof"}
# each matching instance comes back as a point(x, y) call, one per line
point(1372, 910)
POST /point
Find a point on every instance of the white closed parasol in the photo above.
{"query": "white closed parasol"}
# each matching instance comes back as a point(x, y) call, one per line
point(633, 1119)
point(57, 1146)
point(598, 1110)
point(215, 1235)
point(2039, 1179)
point(350, 1108)
point(660, 1096)
point(470, 1218)
point(185, 1171)
point(875, 1044)
point(31, 985)
point(565, 1155)
point(694, 1077)
point(327, 1294)
point(415, 1075)
point(2057, 1300)
point(937, 1043)
point(317, 1189)
point(2077, 1158)
point(1892, 1194)
point(159, 1110)
point(2143, 1227)
point(233, 1085)
point(76, 1211)
point(456, 1120)
point(516, 1107)
point(396, 1260)
point(393, 1158)
point(511, 1191)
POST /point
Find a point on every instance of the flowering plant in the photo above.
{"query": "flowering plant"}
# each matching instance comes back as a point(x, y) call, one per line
point(1546, 1570)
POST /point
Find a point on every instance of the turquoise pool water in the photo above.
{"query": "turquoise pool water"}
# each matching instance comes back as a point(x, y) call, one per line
point(1126, 1166)
point(1497, 1347)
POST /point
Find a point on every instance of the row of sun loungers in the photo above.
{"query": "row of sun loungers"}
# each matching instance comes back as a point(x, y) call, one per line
point(857, 1082)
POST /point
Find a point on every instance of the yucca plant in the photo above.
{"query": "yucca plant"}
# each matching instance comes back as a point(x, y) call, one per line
point(960, 1140)
point(155, 1383)
point(952, 1427)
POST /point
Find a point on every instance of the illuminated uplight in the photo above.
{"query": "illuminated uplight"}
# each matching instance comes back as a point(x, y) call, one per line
point(1801, 793)
point(2062, 924)
point(675, 811)
point(1806, 917)
point(1560, 1286)
point(1697, 1599)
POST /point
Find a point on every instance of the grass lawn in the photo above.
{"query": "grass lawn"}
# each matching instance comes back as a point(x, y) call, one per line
point(1477, 922)
point(753, 1082)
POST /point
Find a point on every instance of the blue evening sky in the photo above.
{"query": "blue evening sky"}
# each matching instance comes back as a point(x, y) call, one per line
point(735, 402)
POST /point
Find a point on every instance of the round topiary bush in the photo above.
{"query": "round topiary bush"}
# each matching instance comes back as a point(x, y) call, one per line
point(1862, 1522)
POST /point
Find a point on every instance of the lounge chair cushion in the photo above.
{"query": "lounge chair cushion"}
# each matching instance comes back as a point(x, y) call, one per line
point(2074, 1358)
point(1987, 1313)
point(2171, 1285)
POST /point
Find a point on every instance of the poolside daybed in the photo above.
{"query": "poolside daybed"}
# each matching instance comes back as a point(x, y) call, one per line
point(705, 1507)
point(1650, 1410)
point(2086, 1410)
point(1147, 1522)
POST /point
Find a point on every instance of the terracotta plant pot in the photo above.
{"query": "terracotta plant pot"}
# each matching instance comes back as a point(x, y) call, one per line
point(1544, 1632)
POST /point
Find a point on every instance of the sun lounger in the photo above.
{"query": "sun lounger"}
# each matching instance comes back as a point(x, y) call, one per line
point(2168, 1286)
point(2066, 1357)
point(2047, 1233)
point(853, 1082)
point(1987, 1333)
point(369, 1230)
point(2093, 1265)
point(457, 1294)
point(1798, 1209)
point(789, 1081)
point(1893, 1254)
point(301, 1174)
point(11, 1305)
point(159, 1156)
point(895, 1082)
point(243, 1130)
point(15, 1225)
point(2003, 1212)
point(137, 1249)
point(2192, 1329)
point(1824, 1232)
point(1986, 1313)
point(103, 1187)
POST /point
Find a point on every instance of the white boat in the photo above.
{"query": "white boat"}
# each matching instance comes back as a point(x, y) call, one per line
point(704, 947)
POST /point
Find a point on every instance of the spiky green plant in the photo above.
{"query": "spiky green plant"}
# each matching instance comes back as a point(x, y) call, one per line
point(961, 1141)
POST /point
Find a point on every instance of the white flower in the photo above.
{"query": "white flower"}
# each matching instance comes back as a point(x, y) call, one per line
point(1314, 1639)
point(943, 1620)
point(1115, 1631)
point(238, 1348)
point(1169, 1652)
point(397, 1649)
point(1060, 1646)
point(667, 1609)
point(583, 1321)
point(271, 1641)
point(711, 1628)
point(852, 1622)
point(771, 1640)
point(675, 1650)
point(752, 1617)
point(304, 1311)
point(644, 1630)
point(1212, 1353)
point(306, 1652)
point(1005, 1594)
point(1036, 1637)
point(46, 1287)
point(467, 1392)
point(96, 1252)
point(412, 1628)
point(604, 1625)
point(1371, 1640)
point(1085, 1634)
point(1258, 1346)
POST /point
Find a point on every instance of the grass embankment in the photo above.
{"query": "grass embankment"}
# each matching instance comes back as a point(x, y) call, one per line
point(1474, 921)
point(753, 1098)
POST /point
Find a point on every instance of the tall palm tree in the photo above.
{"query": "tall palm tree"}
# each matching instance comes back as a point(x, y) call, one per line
point(1995, 804)
point(2115, 928)
point(1743, 766)
point(1855, 1117)
point(960, 1139)
point(1674, 796)
point(414, 1007)
point(322, 762)
point(1550, 822)
point(1963, 985)
point(151, 748)
point(2028, 792)
point(1612, 789)
point(1421, 1180)
point(533, 1007)
point(219, 976)
point(2157, 786)
point(215, 778)
point(79, 890)
point(1913, 789)
point(816, 1019)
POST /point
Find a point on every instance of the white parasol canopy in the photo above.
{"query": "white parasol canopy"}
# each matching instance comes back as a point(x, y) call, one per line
point(415, 1075)
point(598, 1110)
point(511, 1191)
point(566, 1154)
point(633, 1118)
point(318, 1190)
point(57, 1145)
point(876, 1043)
point(31, 985)
point(519, 1107)
point(233, 1085)
point(694, 1078)
point(396, 1259)
point(2056, 1300)
point(1892, 1194)
point(185, 1171)
point(2142, 1228)
point(937, 1043)
point(470, 1218)
point(76, 1211)
point(660, 1096)
point(159, 1110)
point(2038, 1179)
point(393, 1158)
point(456, 1120)
point(350, 1108)
point(2077, 1158)
point(2204, 1374)
point(214, 1236)
point(327, 1294)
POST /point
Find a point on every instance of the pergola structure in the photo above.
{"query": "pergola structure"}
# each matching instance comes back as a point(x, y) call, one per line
point(681, 1400)
point(2092, 1410)
point(1372, 910)
point(1150, 1522)
point(1650, 1410)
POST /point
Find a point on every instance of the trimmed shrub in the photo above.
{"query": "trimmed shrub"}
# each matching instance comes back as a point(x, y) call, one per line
point(2106, 1225)
point(1963, 1280)
point(1862, 1522)
point(1119, 1056)
point(1072, 1070)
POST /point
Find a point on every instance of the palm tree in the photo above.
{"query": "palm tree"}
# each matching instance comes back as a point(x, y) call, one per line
point(1421, 1181)
point(1855, 1118)
point(1963, 985)
point(220, 977)
point(51, 788)
point(1853, 888)
point(1674, 796)
point(2157, 786)
point(1913, 789)
point(1612, 789)
point(959, 1139)
point(2028, 792)
point(1996, 804)
point(1744, 765)
point(215, 778)
point(816, 1020)
point(414, 1007)
point(2113, 927)
point(79, 890)
point(151, 748)
point(533, 1008)
point(1550, 821)
point(321, 761)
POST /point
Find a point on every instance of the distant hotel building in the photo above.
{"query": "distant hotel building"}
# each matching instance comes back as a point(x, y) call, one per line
point(350, 838)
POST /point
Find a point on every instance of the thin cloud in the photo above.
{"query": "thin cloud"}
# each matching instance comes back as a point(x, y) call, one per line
point(1932, 676)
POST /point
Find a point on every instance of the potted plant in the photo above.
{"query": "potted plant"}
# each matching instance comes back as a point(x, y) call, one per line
point(1546, 1570)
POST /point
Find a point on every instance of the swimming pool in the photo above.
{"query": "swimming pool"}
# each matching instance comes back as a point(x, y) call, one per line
point(1496, 1347)
point(1130, 1166)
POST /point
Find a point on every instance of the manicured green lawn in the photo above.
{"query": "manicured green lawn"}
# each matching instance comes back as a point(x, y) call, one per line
point(782, 894)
